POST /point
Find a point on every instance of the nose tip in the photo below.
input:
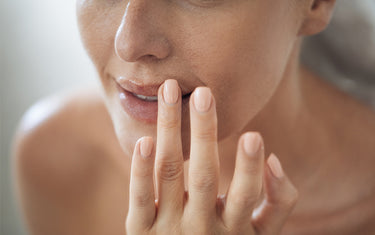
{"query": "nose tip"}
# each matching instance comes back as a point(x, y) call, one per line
point(134, 46)
point(138, 37)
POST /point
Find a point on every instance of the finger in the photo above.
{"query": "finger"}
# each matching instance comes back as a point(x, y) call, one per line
point(169, 159)
point(281, 196)
point(204, 161)
point(141, 212)
point(247, 181)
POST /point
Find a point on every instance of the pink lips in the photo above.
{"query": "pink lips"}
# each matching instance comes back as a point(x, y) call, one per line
point(139, 109)
point(138, 88)
point(146, 111)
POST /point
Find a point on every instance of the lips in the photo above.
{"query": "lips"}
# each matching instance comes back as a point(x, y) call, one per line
point(138, 99)
point(143, 89)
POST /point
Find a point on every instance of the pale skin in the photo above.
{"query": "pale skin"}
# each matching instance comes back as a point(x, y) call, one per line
point(258, 89)
point(199, 211)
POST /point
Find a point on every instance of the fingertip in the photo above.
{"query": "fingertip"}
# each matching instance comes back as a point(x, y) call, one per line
point(280, 198)
point(171, 92)
point(145, 146)
point(275, 166)
point(279, 188)
point(274, 177)
point(142, 160)
point(141, 186)
point(252, 143)
point(202, 99)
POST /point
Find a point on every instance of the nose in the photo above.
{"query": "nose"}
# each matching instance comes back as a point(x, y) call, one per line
point(140, 35)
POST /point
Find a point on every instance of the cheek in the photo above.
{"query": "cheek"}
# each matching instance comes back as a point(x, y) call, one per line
point(98, 26)
point(243, 67)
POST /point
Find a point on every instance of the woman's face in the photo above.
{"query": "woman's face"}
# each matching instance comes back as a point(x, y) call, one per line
point(238, 48)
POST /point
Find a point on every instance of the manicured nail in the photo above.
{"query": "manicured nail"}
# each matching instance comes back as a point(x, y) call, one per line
point(251, 143)
point(275, 166)
point(170, 91)
point(146, 147)
point(202, 99)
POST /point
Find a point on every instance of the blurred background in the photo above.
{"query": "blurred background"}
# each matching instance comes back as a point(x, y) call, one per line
point(41, 53)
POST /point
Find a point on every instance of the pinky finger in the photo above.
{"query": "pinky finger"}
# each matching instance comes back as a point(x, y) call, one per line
point(280, 199)
point(141, 212)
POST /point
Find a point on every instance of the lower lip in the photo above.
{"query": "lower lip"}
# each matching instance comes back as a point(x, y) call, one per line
point(145, 111)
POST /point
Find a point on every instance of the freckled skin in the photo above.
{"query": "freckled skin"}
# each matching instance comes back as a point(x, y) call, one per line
point(237, 48)
point(247, 53)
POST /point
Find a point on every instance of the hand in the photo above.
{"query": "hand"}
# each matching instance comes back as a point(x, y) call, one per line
point(200, 210)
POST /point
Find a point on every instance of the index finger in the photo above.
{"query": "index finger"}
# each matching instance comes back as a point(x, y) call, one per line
point(169, 159)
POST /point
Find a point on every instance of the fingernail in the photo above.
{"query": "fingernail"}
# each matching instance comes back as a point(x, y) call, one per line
point(251, 143)
point(146, 147)
point(275, 166)
point(170, 91)
point(202, 99)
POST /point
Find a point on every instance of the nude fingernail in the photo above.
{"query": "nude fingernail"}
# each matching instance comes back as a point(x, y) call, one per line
point(170, 91)
point(251, 143)
point(202, 99)
point(275, 166)
point(146, 147)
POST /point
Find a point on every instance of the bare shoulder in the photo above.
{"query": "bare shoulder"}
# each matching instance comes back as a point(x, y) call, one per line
point(67, 112)
point(63, 148)
point(63, 126)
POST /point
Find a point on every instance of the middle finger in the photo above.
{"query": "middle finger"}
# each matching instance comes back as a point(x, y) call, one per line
point(204, 159)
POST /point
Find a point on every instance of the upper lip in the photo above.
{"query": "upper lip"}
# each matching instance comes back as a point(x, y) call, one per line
point(140, 88)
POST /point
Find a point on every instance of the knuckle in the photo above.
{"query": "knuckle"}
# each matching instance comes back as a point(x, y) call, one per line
point(169, 171)
point(143, 200)
point(252, 169)
point(205, 129)
point(205, 134)
point(290, 199)
point(245, 200)
point(205, 183)
point(294, 196)
point(169, 121)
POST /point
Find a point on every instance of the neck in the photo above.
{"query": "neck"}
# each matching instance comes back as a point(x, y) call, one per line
point(286, 128)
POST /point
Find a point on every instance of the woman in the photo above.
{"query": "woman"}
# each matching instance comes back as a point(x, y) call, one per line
point(197, 95)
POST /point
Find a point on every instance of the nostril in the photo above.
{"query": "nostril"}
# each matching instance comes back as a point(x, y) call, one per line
point(149, 58)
